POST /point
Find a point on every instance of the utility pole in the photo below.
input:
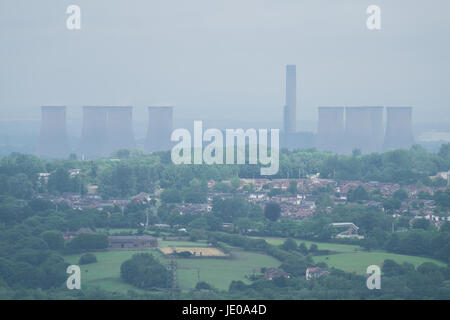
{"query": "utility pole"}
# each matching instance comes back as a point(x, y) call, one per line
point(86, 281)
point(172, 280)
point(146, 221)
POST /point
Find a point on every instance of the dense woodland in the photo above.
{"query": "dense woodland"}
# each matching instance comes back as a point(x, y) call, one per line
point(129, 173)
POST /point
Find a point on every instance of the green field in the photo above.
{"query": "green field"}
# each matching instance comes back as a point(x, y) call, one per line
point(352, 258)
point(105, 273)
point(218, 272)
point(359, 261)
point(321, 245)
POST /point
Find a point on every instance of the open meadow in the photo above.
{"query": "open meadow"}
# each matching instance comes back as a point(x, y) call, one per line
point(105, 273)
point(359, 261)
point(220, 272)
point(321, 245)
point(352, 258)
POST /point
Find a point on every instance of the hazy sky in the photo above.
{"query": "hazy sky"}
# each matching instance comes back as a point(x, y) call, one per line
point(224, 59)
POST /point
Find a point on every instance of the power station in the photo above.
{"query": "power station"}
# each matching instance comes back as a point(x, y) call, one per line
point(290, 109)
point(290, 137)
point(331, 129)
point(93, 136)
point(363, 129)
point(376, 129)
point(53, 138)
point(160, 126)
point(107, 129)
point(399, 133)
point(119, 129)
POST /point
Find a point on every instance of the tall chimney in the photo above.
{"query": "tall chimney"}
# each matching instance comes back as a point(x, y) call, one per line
point(399, 133)
point(119, 129)
point(160, 125)
point(331, 129)
point(364, 129)
point(93, 136)
point(290, 117)
point(53, 139)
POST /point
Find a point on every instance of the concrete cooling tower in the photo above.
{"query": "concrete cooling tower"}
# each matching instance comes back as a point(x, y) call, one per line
point(399, 133)
point(119, 129)
point(331, 129)
point(377, 129)
point(364, 129)
point(53, 139)
point(93, 136)
point(160, 125)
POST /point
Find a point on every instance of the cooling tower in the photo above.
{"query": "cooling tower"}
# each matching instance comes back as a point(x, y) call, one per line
point(290, 116)
point(399, 128)
point(160, 123)
point(53, 139)
point(331, 129)
point(377, 129)
point(93, 136)
point(119, 129)
point(364, 129)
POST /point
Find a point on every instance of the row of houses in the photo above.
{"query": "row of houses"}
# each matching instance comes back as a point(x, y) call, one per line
point(92, 200)
point(81, 202)
point(296, 206)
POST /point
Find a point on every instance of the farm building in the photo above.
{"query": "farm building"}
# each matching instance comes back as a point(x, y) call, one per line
point(273, 273)
point(351, 230)
point(135, 242)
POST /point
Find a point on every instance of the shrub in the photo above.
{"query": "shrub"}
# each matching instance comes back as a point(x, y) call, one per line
point(144, 271)
point(87, 258)
point(184, 254)
point(202, 285)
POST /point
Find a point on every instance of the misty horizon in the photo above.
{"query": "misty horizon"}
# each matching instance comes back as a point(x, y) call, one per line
point(228, 59)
